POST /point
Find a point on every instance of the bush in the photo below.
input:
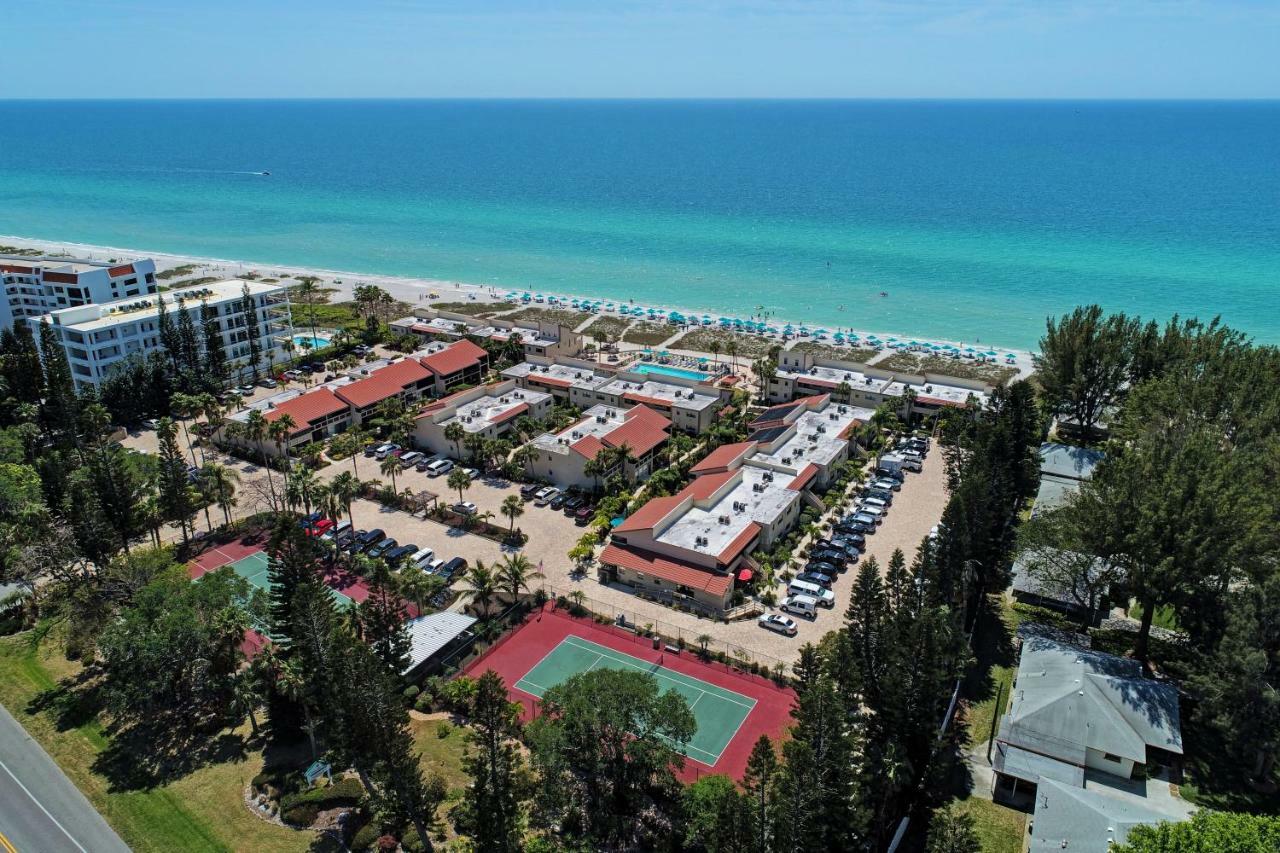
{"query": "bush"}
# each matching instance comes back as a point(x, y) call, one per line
point(366, 838)
point(302, 808)
point(411, 692)
point(424, 703)
point(443, 730)
point(301, 814)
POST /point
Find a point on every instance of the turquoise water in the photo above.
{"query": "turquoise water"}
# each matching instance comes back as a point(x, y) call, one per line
point(307, 340)
point(663, 370)
point(977, 219)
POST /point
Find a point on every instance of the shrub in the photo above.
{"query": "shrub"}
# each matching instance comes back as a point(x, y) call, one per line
point(300, 814)
point(411, 692)
point(424, 703)
point(443, 730)
point(302, 808)
point(366, 838)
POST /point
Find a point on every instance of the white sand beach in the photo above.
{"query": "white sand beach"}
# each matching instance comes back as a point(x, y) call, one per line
point(425, 291)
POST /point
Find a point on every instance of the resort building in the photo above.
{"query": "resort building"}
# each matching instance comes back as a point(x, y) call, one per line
point(692, 546)
point(802, 374)
point(1080, 722)
point(563, 457)
point(35, 286)
point(97, 336)
point(691, 403)
point(489, 411)
point(453, 365)
point(543, 339)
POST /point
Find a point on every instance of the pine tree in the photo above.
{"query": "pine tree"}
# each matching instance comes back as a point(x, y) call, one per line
point(175, 490)
point(864, 621)
point(168, 334)
point(60, 410)
point(250, 310)
point(215, 354)
point(20, 363)
point(382, 617)
point(188, 342)
point(896, 580)
point(806, 669)
point(491, 811)
point(293, 559)
point(759, 780)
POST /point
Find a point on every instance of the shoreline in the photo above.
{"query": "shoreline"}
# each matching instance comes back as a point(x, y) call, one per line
point(412, 290)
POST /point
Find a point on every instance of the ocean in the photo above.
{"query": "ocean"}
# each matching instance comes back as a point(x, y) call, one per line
point(953, 220)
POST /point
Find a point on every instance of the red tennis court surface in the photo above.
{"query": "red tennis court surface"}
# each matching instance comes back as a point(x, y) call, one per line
point(348, 583)
point(517, 653)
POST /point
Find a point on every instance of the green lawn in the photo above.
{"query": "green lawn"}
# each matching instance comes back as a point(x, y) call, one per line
point(203, 810)
point(999, 830)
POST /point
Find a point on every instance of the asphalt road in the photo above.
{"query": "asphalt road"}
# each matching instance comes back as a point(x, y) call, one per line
point(41, 811)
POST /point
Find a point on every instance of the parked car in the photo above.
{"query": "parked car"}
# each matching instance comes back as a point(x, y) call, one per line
point(894, 474)
point(473, 473)
point(781, 624)
point(337, 530)
point(822, 595)
point(383, 450)
point(423, 464)
point(399, 554)
point(584, 515)
point(151, 423)
point(558, 501)
point(852, 543)
point(408, 460)
point(382, 546)
point(800, 605)
point(292, 375)
point(267, 382)
point(887, 484)
point(528, 490)
point(834, 557)
point(246, 388)
point(869, 520)
point(356, 542)
point(545, 496)
point(813, 576)
point(371, 537)
point(422, 558)
point(343, 539)
point(879, 494)
point(465, 508)
point(851, 526)
point(319, 527)
point(450, 570)
point(571, 505)
point(433, 566)
point(439, 467)
point(874, 505)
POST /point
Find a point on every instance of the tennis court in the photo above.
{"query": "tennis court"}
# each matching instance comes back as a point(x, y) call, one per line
point(253, 568)
point(719, 712)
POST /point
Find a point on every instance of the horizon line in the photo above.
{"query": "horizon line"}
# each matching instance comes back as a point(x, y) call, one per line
point(657, 98)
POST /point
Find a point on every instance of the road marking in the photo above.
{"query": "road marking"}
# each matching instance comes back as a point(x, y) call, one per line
point(40, 805)
point(4, 842)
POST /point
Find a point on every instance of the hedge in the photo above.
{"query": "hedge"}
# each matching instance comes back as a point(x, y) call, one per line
point(302, 808)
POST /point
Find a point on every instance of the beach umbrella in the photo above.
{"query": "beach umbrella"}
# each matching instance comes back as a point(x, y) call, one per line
point(989, 353)
point(839, 336)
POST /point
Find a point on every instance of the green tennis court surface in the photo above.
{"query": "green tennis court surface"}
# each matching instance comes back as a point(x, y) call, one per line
point(719, 713)
point(253, 568)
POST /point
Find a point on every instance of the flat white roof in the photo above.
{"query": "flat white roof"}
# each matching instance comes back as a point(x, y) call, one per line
point(815, 437)
point(478, 414)
point(759, 495)
point(894, 386)
point(106, 314)
point(669, 392)
point(579, 377)
point(596, 421)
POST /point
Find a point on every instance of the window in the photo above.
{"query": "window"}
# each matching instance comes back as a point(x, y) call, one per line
point(1109, 757)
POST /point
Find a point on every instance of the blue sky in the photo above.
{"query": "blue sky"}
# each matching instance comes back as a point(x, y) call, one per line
point(632, 48)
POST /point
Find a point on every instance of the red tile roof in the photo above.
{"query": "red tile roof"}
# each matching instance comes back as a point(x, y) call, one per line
point(383, 383)
point(588, 446)
point(813, 380)
point(123, 269)
point(640, 434)
point(804, 478)
point(739, 543)
point(647, 415)
point(453, 358)
point(707, 485)
point(554, 381)
point(510, 413)
point(308, 408)
point(633, 397)
point(650, 514)
point(722, 457)
point(937, 401)
point(672, 571)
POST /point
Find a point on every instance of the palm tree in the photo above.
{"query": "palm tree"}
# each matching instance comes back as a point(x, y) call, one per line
point(185, 406)
point(390, 466)
point(246, 697)
point(474, 443)
point(704, 640)
point(350, 443)
point(219, 483)
point(460, 480)
point(512, 508)
point(346, 488)
point(256, 430)
point(151, 514)
point(577, 597)
point(595, 467)
point(732, 349)
point(483, 585)
point(419, 587)
point(308, 292)
point(281, 430)
point(455, 433)
point(514, 573)
point(714, 348)
point(526, 455)
point(300, 487)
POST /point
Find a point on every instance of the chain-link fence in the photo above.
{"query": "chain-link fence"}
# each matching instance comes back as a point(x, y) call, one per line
point(628, 623)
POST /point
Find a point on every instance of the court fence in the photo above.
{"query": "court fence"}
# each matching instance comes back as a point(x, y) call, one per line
point(623, 622)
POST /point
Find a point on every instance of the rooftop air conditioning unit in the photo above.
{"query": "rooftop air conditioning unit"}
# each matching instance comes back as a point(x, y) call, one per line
point(757, 487)
point(786, 460)
point(821, 428)
point(724, 519)
point(600, 419)
point(848, 376)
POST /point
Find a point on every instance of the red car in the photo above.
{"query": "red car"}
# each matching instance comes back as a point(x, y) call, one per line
point(319, 527)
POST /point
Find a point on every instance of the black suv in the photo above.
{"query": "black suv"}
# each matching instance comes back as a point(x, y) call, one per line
point(528, 490)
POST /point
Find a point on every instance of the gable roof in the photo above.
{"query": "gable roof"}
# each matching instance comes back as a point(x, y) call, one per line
point(455, 357)
point(804, 478)
point(648, 516)
point(640, 433)
point(1068, 700)
point(383, 383)
point(1092, 820)
point(723, 457)
point(306, 409)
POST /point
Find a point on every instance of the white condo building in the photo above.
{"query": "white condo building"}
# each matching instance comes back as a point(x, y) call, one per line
point(35, 286)
point(96, 336)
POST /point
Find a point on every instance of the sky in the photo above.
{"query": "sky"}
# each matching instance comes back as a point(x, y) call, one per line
point(640, 49)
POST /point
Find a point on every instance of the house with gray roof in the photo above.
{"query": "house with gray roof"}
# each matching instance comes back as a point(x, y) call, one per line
point(1068, 582)
point(1093, 820)
point(1076, 710)
point(1063, 468)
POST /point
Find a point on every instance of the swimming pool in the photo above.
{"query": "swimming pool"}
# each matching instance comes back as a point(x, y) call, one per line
point(309, 342)
point(663, 370)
